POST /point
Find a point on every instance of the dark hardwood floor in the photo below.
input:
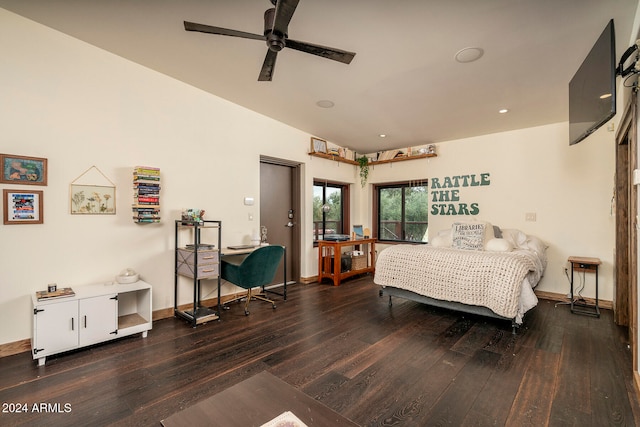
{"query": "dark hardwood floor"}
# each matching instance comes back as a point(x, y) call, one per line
point(408, 365)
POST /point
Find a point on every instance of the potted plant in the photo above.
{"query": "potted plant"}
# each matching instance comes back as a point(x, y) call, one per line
point(363, 164)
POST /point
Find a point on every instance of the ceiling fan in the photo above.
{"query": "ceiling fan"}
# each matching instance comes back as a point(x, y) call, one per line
point(276, 24)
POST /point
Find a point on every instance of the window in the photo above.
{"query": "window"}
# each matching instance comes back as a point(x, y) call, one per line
point(330, 209)
point(401, 211)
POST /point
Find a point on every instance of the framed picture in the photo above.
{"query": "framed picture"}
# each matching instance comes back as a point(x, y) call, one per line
point(23, 170)
point(92, 199)
point(358, 231)
point(318, 145)
point(22, 207)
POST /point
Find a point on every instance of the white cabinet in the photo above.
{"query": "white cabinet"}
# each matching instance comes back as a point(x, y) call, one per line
point(97, 313)
point(98, 318)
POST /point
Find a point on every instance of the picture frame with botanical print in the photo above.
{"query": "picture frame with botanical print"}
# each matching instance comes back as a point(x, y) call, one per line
point(318, 145)
point(92, 199)
point(23, 170)
point(22, 207)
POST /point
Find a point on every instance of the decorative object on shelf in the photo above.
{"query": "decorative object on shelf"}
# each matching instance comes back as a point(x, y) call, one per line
point(363, 164)
point(92, 198)
point(54, 294)
point(192, 215)
point(318, 145)
point(23, 170)
point(358, 231)
point(146, 194)
point(334, 151)
point(431, 149)
point(128, 275)
point(263, 235)
point(22, 207)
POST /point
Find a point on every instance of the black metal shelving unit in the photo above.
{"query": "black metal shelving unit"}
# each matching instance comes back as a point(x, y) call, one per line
point(198, 261)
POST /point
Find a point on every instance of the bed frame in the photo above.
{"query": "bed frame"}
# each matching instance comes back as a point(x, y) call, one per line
point(450, 305)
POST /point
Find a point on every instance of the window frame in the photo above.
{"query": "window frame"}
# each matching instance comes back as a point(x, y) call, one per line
point(346, 209)
point(376, 207)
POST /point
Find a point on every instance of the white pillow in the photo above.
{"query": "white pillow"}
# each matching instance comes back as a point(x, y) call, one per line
point(516, 237)
point(440, 242)
point(536, 245)
point(499, 245)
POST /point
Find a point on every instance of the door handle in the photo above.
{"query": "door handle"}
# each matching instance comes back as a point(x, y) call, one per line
point(289, 224)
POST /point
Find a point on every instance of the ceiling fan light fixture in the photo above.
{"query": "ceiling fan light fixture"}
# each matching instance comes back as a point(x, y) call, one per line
point(325, 103)
point(468, 54)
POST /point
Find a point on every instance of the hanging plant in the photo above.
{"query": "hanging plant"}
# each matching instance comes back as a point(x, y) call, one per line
point(363, 164)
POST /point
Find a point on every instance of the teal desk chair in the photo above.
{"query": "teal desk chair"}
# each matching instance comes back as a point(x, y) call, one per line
point(255, 270)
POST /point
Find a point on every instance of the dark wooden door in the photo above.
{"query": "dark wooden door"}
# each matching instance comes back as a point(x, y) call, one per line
point(279, 212)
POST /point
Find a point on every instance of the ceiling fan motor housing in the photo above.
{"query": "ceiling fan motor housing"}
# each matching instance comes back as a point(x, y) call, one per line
point(275, 41)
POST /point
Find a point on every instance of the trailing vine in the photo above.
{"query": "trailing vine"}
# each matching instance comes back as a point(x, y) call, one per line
point(363, 164)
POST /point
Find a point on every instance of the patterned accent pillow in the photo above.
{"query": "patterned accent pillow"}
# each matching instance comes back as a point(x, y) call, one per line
point(469, 235)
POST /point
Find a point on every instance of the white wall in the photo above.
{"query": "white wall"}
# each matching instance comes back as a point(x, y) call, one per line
point(79, 106)
point(533, 171)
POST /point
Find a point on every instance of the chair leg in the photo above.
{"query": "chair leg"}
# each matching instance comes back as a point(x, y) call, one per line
point(258, 296)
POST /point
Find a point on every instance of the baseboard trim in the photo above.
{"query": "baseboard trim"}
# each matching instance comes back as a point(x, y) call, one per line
point(16, 347)
point(552, 296)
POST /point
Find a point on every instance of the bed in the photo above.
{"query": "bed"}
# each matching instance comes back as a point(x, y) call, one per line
point(472, 267)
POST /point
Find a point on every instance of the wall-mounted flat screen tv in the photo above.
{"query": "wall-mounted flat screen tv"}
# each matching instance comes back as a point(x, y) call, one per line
point(592, 90)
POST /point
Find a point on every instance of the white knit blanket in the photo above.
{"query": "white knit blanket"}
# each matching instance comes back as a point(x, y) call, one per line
point(489, 279)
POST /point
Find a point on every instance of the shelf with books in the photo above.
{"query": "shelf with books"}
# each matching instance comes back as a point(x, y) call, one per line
point(146, 194)
point(375, 162)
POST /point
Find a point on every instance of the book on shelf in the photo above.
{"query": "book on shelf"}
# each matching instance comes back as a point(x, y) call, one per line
point(147, 205)
point(59, 293)
point(147, 170)
point(146, 220)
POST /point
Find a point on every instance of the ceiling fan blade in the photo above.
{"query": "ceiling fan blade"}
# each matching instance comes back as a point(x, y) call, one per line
point(268, 66)
point(323, 51)
point(202, 28)
point(284, 12)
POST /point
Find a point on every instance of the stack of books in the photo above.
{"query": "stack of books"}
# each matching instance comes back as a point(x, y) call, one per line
point(146, 194)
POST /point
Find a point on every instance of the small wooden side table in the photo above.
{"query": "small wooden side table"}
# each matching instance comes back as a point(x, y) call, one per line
point(330, 254)
point(584, 264)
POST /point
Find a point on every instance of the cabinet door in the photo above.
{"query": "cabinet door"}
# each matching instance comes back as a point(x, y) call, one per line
point(55, 328)
point(98, 319)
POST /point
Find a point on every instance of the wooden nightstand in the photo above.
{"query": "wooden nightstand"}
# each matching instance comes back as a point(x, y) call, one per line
point(584, 264)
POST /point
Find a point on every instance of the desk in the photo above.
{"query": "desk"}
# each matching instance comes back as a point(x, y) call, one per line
point(254, 402)
point(246, 251)
point(584, 264)
point(332, 250)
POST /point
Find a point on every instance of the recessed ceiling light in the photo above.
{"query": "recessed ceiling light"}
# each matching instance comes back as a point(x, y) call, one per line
point(325, 103)
point(503, 111)
point(469, 54)
point(382, 135)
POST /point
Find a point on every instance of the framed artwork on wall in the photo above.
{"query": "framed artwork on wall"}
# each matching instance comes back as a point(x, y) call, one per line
point(318, 145)
point(23, 170)
point(22, 207)
point(93, 199)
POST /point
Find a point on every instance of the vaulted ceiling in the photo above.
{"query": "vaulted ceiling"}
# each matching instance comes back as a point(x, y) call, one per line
point(404, 80)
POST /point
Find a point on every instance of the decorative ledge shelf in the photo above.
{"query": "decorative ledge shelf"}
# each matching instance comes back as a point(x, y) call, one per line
point(381, 162)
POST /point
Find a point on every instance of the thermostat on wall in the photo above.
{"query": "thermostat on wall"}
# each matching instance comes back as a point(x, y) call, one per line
point(248, 201)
